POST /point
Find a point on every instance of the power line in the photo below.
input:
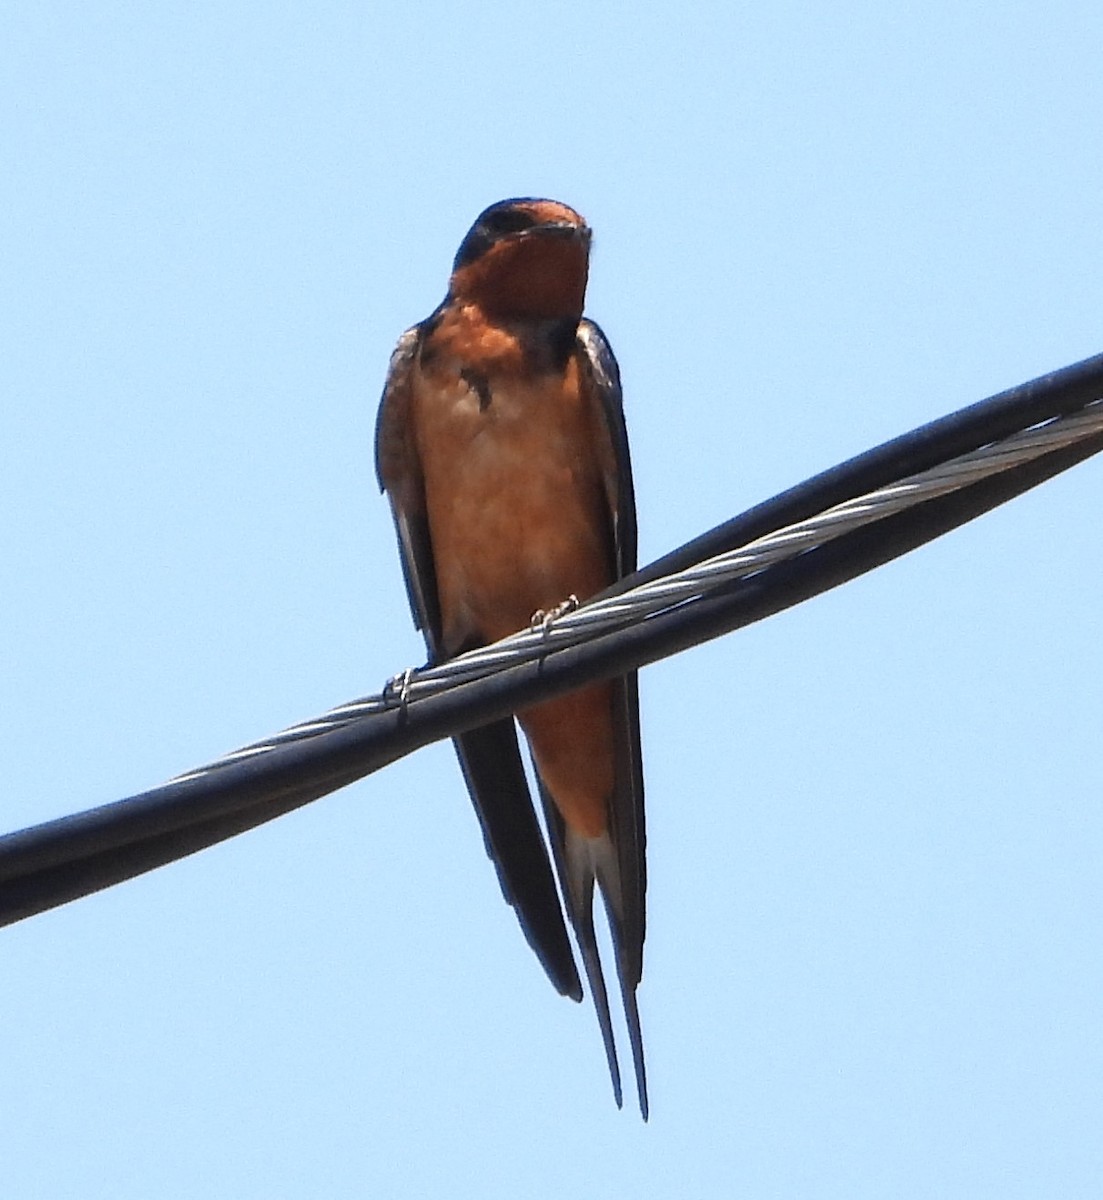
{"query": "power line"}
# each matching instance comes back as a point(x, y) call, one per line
point(815, 536)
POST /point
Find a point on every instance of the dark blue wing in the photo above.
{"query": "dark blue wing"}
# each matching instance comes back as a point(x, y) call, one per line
point(489, 756)
point(624, 884)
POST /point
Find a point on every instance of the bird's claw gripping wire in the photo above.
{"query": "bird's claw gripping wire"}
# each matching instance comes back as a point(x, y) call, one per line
point(397, 688)
point(544, 619)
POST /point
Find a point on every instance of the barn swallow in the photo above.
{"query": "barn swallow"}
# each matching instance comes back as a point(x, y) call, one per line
point(502, 447)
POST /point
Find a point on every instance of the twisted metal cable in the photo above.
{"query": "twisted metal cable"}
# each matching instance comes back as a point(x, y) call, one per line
point(638, 604)
point(830, 528)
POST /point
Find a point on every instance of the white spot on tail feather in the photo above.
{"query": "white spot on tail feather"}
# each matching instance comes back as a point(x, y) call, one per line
point(587, 859)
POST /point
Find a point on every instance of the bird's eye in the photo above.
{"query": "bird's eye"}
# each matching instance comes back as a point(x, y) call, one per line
point(501, 221)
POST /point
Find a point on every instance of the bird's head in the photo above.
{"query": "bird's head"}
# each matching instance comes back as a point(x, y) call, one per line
point(524, 259)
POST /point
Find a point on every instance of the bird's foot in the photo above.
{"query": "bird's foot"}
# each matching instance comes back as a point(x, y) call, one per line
point(544, 619)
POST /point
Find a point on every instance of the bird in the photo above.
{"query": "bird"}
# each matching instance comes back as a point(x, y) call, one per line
point(502, 447)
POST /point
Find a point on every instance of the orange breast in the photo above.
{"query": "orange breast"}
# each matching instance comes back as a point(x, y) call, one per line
point(515, 501)
point(519, 521)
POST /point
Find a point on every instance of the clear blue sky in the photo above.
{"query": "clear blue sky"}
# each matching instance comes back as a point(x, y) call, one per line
point(875, 953)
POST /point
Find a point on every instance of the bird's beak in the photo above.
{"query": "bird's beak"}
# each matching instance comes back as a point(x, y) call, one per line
point(563, 229)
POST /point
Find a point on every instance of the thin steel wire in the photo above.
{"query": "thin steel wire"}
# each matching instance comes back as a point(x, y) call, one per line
point(684, 587)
